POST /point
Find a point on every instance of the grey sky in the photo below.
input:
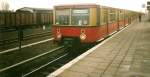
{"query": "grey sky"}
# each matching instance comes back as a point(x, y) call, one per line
point(127, 4)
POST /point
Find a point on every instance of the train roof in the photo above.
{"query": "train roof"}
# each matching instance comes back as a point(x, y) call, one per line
point(31, 9)
point(87, 6)
point(76, 6)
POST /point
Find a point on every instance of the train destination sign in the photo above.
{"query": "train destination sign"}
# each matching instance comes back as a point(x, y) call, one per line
point(80, 11)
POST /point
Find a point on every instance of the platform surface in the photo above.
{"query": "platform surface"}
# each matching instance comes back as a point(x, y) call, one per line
point(127, 54)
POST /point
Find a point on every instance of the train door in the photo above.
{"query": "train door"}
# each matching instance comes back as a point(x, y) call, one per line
point(118, 19)
point(104, 21)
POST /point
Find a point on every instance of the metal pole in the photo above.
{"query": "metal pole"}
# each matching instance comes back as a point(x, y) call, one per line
point(20, 34)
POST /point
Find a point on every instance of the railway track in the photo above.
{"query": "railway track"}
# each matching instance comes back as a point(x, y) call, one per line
point(36, 35)
point(24, 46)
point(40, 65)
point(51, 66)
point(29, 40)
point(15, 70)
point(28, 37)
point(43, 66)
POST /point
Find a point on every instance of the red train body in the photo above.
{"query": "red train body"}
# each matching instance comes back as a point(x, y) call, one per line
point(92, 23)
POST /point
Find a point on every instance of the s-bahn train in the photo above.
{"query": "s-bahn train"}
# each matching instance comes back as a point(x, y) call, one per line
point(88, 23)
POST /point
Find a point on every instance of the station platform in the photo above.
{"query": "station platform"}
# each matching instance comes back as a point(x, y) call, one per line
point(125, 54)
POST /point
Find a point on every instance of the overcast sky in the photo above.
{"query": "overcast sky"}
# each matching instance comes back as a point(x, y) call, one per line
point(126, 4)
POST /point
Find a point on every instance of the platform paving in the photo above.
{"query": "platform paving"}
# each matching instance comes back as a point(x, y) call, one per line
point(127, 54)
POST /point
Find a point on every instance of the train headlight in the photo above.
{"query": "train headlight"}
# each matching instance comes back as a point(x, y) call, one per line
point(58, 30)
point(59, 36)
point(82, 36)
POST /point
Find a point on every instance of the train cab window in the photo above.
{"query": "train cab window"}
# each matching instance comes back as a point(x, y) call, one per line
point(80, 17)
point(112, 15)
point(62, 17)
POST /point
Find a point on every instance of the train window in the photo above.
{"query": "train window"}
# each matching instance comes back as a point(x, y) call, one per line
point(121, 15)
point(126, 15)
point(80, 17)
point(112, 15)
point(103, 16)
point(62, 17)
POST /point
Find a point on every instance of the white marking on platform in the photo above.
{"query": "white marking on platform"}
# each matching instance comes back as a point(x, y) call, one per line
point(66, 66)
point(24, 46)
point(126, 24)
point(112, 33)
point(121, 27)
point(100, 39)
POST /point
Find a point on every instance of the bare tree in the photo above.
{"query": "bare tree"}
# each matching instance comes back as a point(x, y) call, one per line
point(4, 6)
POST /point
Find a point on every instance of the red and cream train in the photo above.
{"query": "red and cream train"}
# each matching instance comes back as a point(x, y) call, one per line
point(88, 23)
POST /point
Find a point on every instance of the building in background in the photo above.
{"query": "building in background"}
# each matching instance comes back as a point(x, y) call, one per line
point(148, 5)
point(4, 5)
point(35, 10)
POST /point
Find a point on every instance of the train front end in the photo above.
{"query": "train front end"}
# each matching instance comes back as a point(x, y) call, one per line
point(75, 24)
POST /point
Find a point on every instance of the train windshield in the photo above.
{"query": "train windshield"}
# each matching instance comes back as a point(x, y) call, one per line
point(62, 17)
point(80, 17)
point(75, 17)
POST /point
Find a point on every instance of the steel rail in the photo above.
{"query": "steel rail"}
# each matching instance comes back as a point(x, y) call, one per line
point(24, 46)
point(36, 35)
point(28, 37)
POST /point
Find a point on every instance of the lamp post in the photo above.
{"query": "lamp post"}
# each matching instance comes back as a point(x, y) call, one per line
point(148, 8)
